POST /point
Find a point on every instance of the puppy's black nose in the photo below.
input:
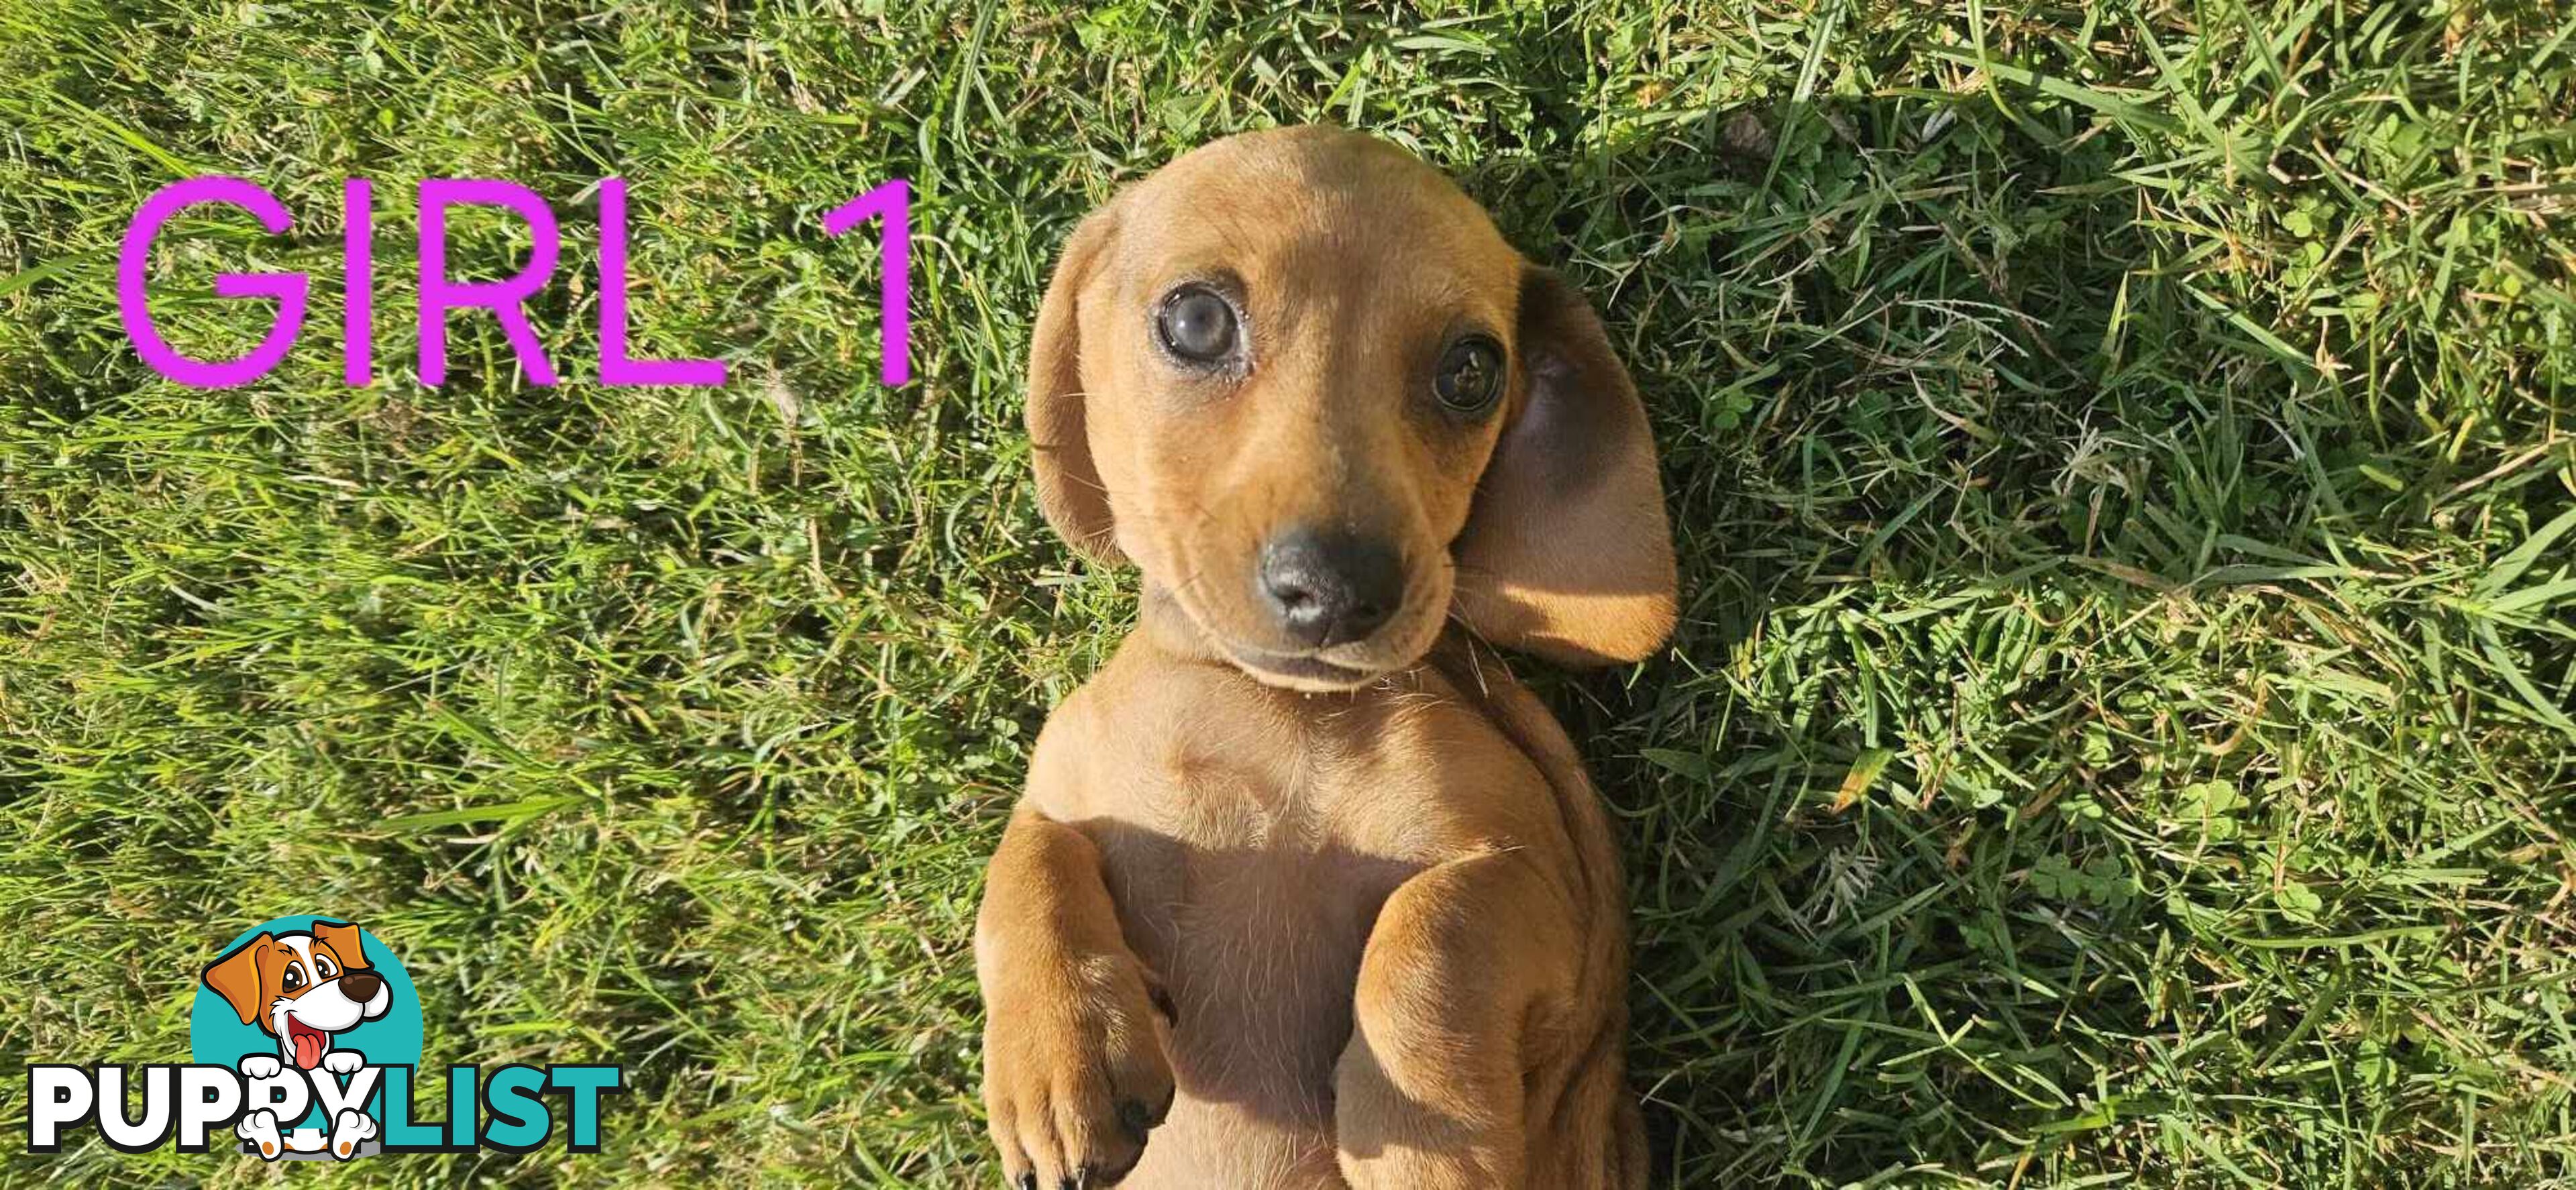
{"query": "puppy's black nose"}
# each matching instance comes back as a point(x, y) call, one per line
point(1327, 588)
point(361, 986)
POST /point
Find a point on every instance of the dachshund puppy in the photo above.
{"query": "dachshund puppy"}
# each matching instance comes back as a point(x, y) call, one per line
point(1305, 891)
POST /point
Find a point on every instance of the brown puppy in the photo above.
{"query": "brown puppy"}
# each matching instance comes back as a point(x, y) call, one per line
point(1302, 884)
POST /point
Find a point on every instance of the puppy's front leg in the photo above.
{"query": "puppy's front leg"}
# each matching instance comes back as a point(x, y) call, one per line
point(348, 1130)
point(1074, 1066)
point(1464, 973)
point(259, 1125)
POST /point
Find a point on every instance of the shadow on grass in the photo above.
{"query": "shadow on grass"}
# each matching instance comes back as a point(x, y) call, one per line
point(2053, 635)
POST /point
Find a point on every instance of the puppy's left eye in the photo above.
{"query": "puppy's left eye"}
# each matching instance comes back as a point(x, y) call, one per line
point(322, 967)
point(1470, 375)
point(1197, 324)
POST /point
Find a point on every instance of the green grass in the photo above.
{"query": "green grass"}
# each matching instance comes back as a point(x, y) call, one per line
point(2122, 459)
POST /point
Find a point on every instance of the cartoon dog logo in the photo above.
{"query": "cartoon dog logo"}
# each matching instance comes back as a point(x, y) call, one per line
point(302, 988)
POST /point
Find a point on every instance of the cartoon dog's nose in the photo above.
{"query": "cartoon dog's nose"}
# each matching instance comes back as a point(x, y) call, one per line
point(1327, 588)
point(361, 986)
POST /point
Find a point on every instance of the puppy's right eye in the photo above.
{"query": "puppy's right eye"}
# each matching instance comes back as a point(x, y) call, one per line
point(294, 979)
point(1197, 324)
point(1470, 375)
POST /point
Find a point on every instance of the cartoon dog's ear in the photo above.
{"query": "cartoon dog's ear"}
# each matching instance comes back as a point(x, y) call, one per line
point(1069, 488)
point(343, 940)
point(235, 977)
point(1566, 552)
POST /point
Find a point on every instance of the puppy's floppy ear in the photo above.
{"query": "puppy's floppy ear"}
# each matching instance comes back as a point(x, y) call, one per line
point(343, 940)
point(1566, 552)
point(1069, 488)
point(235, 977)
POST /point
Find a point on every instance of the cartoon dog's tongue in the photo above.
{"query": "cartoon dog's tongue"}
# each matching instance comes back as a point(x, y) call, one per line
point(308, 1041)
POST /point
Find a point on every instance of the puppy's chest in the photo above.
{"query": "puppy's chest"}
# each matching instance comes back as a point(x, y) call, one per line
point(1279, 844)
point(1228, 804)
point(1249, 879)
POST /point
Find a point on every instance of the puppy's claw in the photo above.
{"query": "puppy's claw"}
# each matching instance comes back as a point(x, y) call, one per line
point(1029, 1180)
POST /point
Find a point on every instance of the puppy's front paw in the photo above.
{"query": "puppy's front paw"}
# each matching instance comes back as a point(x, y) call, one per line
point(343, 1061)
point(347, 1129)
point(260, 1128)
point(1075, 1073)
point(260, 1066)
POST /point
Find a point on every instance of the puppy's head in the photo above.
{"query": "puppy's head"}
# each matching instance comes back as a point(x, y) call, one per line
point(301, 988)
point(1300, 379)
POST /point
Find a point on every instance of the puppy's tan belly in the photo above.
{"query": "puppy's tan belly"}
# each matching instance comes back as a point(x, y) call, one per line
point(1258, 941)
point(1207, 1145)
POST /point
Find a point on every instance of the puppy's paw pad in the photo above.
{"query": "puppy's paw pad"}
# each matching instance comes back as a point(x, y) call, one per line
point(260, 1066)
point(260, 1128)
point(347, 1129)
point(343, 1061)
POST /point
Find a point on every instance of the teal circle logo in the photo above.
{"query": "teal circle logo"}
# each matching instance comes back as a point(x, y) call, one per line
point(305, 992)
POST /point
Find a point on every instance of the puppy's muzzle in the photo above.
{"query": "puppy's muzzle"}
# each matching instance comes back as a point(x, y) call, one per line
point(1324, 588)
